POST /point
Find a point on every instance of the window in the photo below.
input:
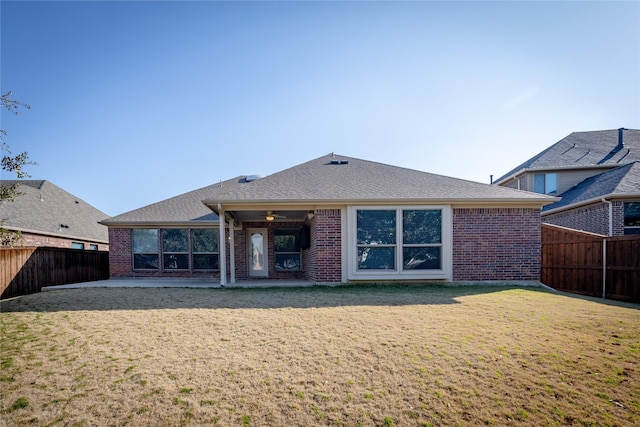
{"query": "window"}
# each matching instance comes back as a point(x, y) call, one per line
point(632, 218)
point(376, 240)
point(145, 248)
point(287, 249)
point(545, 183)
point(180, 249)
point(77, 245)
point(204, 248)
point(93, 247)
point(422, 239)
point(406, 241)
point(175, 249)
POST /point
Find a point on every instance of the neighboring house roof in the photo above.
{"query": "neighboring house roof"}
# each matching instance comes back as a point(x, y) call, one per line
point(328, 179)
point(621, 181)
point(583, 149)
point(44, 208)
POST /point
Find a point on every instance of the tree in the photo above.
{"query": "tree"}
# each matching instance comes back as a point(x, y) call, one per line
point(14, 164)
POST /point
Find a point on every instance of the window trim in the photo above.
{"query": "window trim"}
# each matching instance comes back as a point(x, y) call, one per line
point(398, 273)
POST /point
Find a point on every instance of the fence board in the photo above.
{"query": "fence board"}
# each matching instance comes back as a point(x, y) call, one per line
point(573, 261)
point(26, 270)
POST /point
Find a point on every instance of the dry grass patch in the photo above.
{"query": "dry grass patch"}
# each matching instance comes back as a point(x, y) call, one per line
point(371, 356)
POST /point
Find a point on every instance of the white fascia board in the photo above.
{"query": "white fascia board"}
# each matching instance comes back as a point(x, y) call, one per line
point(159, 224)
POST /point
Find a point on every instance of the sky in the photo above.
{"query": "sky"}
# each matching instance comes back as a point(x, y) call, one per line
point(136, 102)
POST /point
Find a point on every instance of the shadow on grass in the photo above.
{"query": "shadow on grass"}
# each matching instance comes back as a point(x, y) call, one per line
point(241, 298)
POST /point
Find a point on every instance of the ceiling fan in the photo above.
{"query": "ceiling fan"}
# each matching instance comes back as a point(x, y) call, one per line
point(271, 216)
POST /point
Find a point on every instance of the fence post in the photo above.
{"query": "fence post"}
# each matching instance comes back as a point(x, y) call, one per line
point(604, 268)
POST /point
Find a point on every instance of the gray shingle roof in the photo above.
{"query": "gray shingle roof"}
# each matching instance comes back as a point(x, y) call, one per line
point(327, 180)
point(43, 207)
point(615, 182)
point(356, 180)
point(186, 207)
point(596, 148)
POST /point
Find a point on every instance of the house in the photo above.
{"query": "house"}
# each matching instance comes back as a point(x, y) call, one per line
point(46, 215)
point(334, 219)
point(597, 176)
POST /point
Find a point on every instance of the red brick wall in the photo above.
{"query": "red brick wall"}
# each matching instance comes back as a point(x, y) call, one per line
point(241, 258)
point(30, 239)
point(496, 244)
point(593, 218)
point(325, 254)
point(121, 260)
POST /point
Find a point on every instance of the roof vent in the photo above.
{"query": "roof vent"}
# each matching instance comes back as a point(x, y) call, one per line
point(621, 137)
point(338, 162)
point(250, 178)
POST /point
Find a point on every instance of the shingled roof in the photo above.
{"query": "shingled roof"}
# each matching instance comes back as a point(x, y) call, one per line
point(621, 181)
point(337, 178)
point(596, 148)
point(44, 208)
point(328, 179)
point(183, 208)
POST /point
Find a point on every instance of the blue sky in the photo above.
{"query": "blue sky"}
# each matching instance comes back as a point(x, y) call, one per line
point(135, 102)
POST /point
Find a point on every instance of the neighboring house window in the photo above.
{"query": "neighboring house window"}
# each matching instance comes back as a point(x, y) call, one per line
point(77, 245)
point(401, 241)
point(204, 248)
point(93, 247)
point(632, 218)
point(545, 183)
point(175, 249)
point(145, 248)
point(287, 249)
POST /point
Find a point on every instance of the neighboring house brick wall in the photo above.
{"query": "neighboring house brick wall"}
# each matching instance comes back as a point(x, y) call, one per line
point(326, 246)
point(496, 244)
point(31, 239)
point(593, 218)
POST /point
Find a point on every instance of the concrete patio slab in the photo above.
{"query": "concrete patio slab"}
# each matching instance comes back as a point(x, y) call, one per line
point(181, 283)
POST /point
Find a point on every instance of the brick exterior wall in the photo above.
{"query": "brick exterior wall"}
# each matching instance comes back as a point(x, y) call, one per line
point(325, 254)
point(593, 218)
point(30, 239)
point(121, 260)
point(496, 244)
point(241, 257)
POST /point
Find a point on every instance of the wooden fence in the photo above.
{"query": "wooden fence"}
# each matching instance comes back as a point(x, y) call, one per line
point(26, 270)
point(591, 264)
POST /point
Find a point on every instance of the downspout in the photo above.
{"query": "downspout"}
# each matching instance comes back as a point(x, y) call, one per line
point(222, 246)
point(604, 200)
point(604, 249)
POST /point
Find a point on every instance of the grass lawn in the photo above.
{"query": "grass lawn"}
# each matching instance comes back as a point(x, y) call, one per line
point(370, 356)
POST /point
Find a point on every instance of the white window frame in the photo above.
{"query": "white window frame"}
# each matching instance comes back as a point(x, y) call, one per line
point(398, 274)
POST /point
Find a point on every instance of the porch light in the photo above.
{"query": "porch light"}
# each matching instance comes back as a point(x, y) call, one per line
point(270, 217)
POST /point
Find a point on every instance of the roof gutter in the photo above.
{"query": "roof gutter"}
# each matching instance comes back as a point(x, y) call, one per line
point(538, 201)
point(64, 236)
point(591, 201)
